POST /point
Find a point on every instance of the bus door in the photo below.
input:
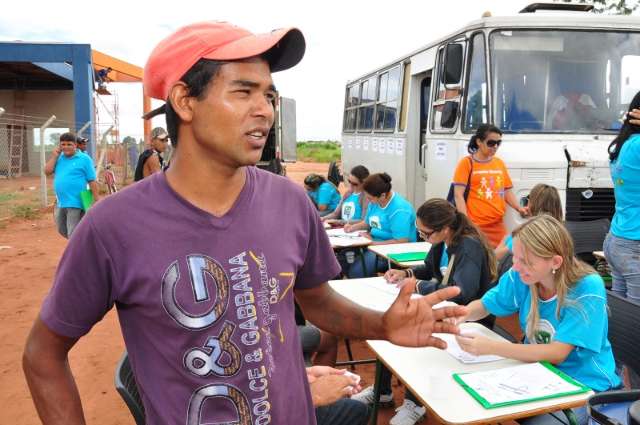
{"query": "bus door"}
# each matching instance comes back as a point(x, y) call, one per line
point(441, 151)
point(420, 168)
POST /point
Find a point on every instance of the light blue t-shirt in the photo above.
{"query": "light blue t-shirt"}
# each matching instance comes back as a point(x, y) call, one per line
point(625, 173)
point(444, 260)
point(508, 242)
point(326, 194)
point(71, 176)
point(582, 323)
point(351, 208)
point(395, 221)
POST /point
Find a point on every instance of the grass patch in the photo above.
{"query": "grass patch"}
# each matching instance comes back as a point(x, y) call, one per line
point(318, 151)
point(5, 197)
point(28, 212)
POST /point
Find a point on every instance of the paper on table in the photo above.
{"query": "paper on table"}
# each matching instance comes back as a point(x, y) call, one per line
point(380, 284)
point(347, 241)
point(339, 238)
point(341, 233)
point(518, 383)
point(454, 349)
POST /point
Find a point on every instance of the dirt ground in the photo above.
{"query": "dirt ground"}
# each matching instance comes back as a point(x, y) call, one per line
point(29, 253)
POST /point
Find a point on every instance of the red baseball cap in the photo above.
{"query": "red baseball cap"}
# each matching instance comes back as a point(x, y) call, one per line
point(176, 54)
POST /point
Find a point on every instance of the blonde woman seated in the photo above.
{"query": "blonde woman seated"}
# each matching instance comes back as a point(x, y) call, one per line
point(562, 307)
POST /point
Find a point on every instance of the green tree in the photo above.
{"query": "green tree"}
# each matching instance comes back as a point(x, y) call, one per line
point(614, 7)
point(54, 138)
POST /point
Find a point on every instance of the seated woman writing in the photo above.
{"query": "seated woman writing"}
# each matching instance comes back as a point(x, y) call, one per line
point(562, 308)
point(324, 194)
point(390, 219)
point(460, 255)
point(353, 206)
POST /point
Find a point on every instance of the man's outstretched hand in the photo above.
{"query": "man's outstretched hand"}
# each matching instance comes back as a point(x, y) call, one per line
point(411, 322)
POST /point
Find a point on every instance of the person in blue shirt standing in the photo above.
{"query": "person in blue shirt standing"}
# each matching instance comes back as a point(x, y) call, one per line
point(562, 308)
point(73, 170)
point(622, 245)
point(353, 206)
point(324, 194)
point(390, 219)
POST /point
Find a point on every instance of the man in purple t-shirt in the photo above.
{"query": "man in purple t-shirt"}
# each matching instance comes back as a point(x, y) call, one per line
point(207, 307)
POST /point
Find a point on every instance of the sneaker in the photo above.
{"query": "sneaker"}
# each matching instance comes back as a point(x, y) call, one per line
point(408, 414)
point(366, 396)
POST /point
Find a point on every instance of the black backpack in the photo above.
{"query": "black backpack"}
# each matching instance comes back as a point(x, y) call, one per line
point(139, 174)
point(451, 195)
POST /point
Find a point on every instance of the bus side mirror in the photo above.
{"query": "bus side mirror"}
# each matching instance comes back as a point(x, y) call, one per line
point(449, 114)
point(453, 64)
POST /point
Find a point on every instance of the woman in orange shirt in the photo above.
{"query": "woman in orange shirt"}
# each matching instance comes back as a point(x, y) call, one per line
point(489, 184)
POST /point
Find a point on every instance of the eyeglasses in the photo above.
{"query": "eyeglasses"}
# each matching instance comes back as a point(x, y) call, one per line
point(493, 143)
point(163, 140)
point(426, 235)
point(352, 183)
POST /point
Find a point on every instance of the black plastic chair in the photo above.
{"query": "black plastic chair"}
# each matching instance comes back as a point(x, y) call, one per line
point(588, 236)
point(624, 329)
point(620, 407)
point(334, 175)
point(128, 389)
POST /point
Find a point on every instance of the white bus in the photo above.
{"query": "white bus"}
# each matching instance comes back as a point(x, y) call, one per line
point(557, 86)
point(282, 142)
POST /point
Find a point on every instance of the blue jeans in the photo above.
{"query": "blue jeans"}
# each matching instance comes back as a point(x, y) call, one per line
point(623, 256)
point(343, 412)
point(67, 219)
point(373, 264)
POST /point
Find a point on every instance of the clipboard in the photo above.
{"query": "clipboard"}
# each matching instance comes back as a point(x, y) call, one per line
point(506, 393)
point(408, 256)
point(86, 197)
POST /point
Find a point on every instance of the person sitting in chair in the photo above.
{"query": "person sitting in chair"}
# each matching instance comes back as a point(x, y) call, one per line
point(573, 110)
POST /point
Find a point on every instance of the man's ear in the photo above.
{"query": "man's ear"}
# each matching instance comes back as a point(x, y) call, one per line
point(181, 102)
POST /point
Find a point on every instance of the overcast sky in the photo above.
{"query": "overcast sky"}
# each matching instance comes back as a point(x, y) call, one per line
point(344, 39)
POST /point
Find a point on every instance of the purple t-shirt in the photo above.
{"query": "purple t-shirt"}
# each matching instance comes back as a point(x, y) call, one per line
point(205, 304)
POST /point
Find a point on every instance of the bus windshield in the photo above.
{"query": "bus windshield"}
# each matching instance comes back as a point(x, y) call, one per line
point(563, 81)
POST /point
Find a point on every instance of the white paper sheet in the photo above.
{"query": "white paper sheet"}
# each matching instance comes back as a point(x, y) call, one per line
point(454, 349)
point(340, 239)
point(340, 232)
point(522, 382)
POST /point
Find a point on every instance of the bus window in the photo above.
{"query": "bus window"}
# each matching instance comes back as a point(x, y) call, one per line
point(388, 96)
point(630, 80)
point(352, 100)
point(404, 97)
point(445, 108)
point(559, 81)
point(476, 107)
point(368, 89)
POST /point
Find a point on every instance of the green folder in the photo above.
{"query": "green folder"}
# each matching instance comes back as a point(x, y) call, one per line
point(86, 197)
point(580, 389)
point(408, 256)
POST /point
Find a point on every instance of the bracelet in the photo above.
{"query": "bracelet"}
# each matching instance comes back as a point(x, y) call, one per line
point(408, 272)
point(418, 286)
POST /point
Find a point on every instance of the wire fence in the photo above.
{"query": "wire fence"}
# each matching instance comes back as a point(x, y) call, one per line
point(21, 162)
